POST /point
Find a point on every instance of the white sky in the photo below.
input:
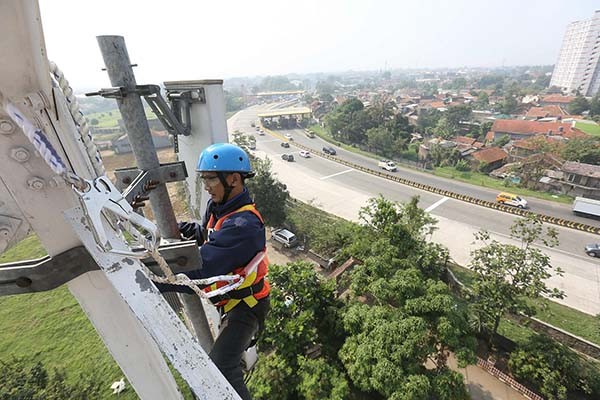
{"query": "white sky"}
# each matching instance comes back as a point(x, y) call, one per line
point(186, 39)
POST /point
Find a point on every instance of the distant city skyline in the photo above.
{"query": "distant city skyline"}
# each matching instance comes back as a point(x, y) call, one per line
point(180, 40)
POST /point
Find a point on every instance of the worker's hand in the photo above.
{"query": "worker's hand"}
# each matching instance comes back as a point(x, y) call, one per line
point(140, 200)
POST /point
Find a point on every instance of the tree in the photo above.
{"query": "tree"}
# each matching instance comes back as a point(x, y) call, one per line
point(585, 150)
point(428, 119)
point(456, 114)
point(578, 105)
point(502, 140)
point(509, 105)
point(270, 195)
point(444, 128)
point(595, 105)
point(273, 378)
point(554, 369)
point(381, 140)
point(507, 275)
point(319, 380)
point(94, 121)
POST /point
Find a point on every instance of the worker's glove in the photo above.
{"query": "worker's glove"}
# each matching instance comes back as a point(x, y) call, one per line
point(140, 200)
point(191, 231)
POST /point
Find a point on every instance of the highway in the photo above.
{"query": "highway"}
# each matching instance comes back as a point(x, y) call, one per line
point(342, 191)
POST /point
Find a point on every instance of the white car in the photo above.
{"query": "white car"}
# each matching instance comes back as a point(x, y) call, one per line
point(289, 136)
point(304, 153)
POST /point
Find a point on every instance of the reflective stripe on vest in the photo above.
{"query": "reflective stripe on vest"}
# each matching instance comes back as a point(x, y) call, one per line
point(252, 272)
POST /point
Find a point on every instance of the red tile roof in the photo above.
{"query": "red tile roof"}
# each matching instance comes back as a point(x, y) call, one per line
point(557, 98)
point(546, 111)
point(490, 154)
point(464, 140)
point(522, 127)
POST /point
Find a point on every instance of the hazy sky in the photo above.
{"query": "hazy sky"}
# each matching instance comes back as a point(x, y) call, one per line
point(185, 39)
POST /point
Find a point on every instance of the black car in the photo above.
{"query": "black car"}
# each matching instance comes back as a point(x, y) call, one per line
point(329, 150)
point(288, 157)
point(593, 250)
point(285, 144)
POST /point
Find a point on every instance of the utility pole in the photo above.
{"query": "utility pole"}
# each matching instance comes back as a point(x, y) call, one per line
point(120, 72)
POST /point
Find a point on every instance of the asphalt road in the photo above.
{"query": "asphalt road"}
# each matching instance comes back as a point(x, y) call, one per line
point(343, 190)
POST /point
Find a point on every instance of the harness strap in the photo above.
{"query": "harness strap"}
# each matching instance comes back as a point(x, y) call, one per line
point(239, 294)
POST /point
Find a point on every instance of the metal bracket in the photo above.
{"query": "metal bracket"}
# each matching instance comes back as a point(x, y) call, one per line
point(171, 119)
point(47, 273)
point(44, 273)
point(131, 180)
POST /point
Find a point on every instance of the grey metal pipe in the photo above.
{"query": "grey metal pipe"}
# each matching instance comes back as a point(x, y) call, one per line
point(120, 72)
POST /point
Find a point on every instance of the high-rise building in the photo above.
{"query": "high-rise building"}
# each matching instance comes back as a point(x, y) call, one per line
point(578, 65)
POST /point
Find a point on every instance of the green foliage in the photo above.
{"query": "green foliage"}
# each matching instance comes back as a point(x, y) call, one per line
point(448, 385)
point(270, 195)
point(502, 141)
point(428, 119)
point(276, 83)
point(578, 105)
point(509, 105)
point(320, 381)
point(507, 275)
point(23, 379)
point(554, 369)
point(94, 121)
point(595, 105)
point(444, 128)
point(462, 165)
point(233, 100)
point(324, 233)
point(456, 114)
point(303, 310)
point(273, 378)
point(585, 150)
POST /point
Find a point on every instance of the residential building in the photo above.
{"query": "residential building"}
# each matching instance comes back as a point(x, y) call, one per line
point(552, 111)
point(578, 65)
point(581, 179)
point(490, 157)
point(520, 129)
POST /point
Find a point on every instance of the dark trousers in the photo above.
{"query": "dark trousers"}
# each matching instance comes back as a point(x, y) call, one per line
point(238, 328)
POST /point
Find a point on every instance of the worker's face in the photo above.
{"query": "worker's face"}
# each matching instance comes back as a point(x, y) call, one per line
point(214, 187)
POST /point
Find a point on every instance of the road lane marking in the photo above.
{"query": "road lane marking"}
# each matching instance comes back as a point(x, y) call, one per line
point(339, 173)
point(436, 204)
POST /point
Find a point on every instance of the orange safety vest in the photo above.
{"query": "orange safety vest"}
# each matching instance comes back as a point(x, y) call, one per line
point(254, 277)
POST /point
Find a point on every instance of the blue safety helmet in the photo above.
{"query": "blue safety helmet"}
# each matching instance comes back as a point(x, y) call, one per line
point(225, 157)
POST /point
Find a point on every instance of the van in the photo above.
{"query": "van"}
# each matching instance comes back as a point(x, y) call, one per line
point(285, 237)
point(511, 200)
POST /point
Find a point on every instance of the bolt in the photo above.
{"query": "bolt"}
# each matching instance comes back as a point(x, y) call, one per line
point(126, 180)
point(172, 174)
point(36, 183)
point(6, 127)
point(4, 233)
point(20, 154)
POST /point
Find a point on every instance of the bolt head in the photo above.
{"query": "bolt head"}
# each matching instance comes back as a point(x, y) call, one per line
point(20, 154)
point(127, 180)
point(4, 233)
point(36, 183)
point(6, 127)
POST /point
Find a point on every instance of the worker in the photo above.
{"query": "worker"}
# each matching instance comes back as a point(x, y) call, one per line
point(231, 237)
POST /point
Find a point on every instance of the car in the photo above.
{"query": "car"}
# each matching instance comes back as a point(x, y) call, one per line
point(285, 237)
point(289, 136)
point(593, 250)
point(288, 157)
point(285, 144)
point(511, 200)
point(261, 132)
point(329, 150)
point(304, 153)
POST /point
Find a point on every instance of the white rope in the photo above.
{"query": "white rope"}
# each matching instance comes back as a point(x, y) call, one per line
point(79, 118)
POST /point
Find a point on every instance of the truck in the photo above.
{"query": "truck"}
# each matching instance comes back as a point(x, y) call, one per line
point(387, 165)
point(309, 133)
point(586, 207)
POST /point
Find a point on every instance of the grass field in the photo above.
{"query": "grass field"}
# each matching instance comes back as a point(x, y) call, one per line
point(110, 119)
point(580, 324)
point(591, 128)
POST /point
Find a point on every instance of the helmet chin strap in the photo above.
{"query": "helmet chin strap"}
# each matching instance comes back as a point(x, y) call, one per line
point(228, 188)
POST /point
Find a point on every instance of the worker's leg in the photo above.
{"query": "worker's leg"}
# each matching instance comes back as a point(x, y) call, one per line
point(238, 328)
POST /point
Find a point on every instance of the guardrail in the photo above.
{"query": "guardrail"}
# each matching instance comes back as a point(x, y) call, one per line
point(509, 380)
point(469, 199)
